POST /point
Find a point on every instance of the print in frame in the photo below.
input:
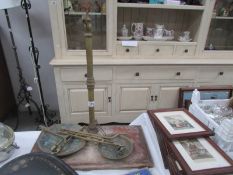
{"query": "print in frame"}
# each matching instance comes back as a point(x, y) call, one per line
point(206, 92)
point(178, 124)
point(201, 156)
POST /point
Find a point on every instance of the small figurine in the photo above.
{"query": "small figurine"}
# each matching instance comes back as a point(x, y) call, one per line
point(124, 31)
point(230, 13)
point(97, 6)
point(211, 47)
point(223, 12)
point(103, 8)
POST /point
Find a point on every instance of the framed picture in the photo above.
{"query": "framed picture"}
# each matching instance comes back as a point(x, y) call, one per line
point(206, 92)
point(201, 156)
point(178, 124)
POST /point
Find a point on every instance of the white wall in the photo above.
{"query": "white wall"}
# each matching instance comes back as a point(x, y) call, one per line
point(40, 21)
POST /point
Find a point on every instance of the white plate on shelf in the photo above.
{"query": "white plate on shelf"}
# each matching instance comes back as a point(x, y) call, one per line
point(181, 40)
point(124, 38)
point(165, 38)
point(148, 38)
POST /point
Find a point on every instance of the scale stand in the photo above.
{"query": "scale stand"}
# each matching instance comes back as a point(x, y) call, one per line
point(46, 116)
point(24, 96)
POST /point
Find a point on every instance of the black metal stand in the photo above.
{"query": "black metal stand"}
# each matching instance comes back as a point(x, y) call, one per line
point(24, 97)
point(26, 5)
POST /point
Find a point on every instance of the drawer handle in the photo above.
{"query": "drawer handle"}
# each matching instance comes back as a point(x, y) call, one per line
point(109, 99)
point(156, 97)
point(85, 75)
point(157, 50)
point(127, 50)
point(152, 98)
point(186, 50)
point(221, 73)
point(137, 74)
point(178, 73)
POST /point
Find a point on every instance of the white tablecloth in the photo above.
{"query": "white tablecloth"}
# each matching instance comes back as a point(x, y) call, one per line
point(26, 140)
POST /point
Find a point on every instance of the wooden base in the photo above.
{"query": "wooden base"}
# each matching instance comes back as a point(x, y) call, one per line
point(89, 158)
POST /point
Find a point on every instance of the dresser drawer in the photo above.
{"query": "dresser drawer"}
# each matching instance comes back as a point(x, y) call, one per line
point(153, 73)
point(153, 49)
point(125, 51)
point(215, 74)
point(185, 50)
point(79, 74)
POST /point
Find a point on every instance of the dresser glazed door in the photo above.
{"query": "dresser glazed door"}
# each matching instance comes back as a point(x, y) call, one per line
point(220, 36)
point(74, 12)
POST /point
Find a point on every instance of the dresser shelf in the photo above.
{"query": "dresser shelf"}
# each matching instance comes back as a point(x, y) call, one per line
point(84, 13)
point(222, 17)
point(161, 6)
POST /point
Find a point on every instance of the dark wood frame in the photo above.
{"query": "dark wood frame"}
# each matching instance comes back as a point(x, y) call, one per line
point(170, 136)
point(227, 88)
point(212, 171)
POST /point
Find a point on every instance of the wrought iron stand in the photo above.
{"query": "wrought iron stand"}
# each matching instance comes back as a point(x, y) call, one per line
point(24, 97)
point(46, 116)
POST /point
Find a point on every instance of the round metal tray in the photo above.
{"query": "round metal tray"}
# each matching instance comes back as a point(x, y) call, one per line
point(47, 140)
point(114, 152)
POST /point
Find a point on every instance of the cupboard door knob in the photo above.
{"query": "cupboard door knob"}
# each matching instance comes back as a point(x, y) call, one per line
point(152, 98)
point(158, 50)
point(156, 97)
point(178, 73)
point(221, 73)
point(137, 74)
point(127, 50)
point(186, 50)
point(85, 75)
point(109, 99)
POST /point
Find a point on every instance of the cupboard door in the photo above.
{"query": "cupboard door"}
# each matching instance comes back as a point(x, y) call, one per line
point(77, 100)
point(133, 99)
point(168, 95)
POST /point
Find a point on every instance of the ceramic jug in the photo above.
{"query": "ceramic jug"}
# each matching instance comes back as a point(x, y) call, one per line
point(137, 30)
point(159, 31)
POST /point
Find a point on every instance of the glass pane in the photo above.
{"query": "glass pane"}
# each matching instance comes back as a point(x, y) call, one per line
point(74, 13)
point(158, 24)
point(220, 35)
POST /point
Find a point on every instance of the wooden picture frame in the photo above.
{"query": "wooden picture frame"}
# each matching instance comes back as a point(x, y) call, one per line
point(178, 124)
point(212, 92)
point(208, 159)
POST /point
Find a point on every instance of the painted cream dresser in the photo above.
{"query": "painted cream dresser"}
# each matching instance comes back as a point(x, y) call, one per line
point(130, 80)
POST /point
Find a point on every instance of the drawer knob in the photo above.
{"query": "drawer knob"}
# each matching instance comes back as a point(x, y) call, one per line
point(127, 50)
point(158, 50)
point(156, 97)
point(221, 73)
point(85, 75)
point(109, 99)
point(137, 74)
point(178, 73)
point(186, 50)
